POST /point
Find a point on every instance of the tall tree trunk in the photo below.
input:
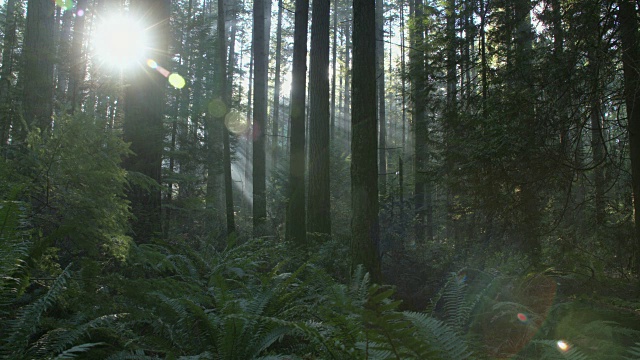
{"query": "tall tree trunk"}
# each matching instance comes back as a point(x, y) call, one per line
point(260, 60)
point(6, 73)
point(403, 77)
point(334, 63)
point(276, 90)
point(631, 66)
point(38, 58)
point(483, 55)
point(296, 229)
point(595, 115)
point(248, 147)
point(365, 237)
point(597, 148)
point(225, 95)
point(452, 134)
point(523, 92)
point(319, 209)
point(382, 121)
point(78, 64)
point(419, 120)
point(143, 125)
point(347, 80)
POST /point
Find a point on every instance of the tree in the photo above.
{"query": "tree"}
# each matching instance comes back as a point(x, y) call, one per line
point(224, 93)
point(296, 228)
point(78, 64)
point(418, 93)
point(260, 61)
point(38, 59)
point(6, 73)
point(334, 62)
point(631, 61)
point(276, 90)
point(364, 168)
point(143, 127)
point(382, 121)
point(319, 209)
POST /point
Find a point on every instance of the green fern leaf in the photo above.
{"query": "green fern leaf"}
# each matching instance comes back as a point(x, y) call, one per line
point(74, 351)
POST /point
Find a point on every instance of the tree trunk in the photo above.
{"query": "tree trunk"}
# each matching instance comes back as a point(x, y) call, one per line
point(6, 73)
point(78, 63)
point(260, 62)
point(296, 229)
point(334, 62)
point(521, 66)
point(403, 77)
point(419, 121)
point(319, 209)
point(225, 95)
point(276, 91)
point(382, 142)
point(631, 64)
point(347, 80)
point(143, 125)
point(38, 57)
point(452, 134)
point(364, 168)
point(483, 55)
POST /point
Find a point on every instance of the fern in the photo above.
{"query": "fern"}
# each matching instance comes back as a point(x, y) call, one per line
point(634, 352)
point(28, 320)
point(442, 338)
point(74, 351)
point(131, 355)
point(57, 341)
point(549, 349)
point(14, 248)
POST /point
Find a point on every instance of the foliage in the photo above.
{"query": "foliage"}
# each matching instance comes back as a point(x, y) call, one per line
point(73, 179)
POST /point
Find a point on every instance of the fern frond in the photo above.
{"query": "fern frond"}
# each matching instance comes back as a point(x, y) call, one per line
point(28, 320)
point(552, 351)
point(57, 341)
point(634, 352)
point(131, 355)
point(14, 249)
point(74, 351)
point(203, 356)
point(440, 336)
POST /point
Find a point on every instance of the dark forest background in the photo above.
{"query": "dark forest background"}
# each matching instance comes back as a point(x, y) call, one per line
point(430, 179)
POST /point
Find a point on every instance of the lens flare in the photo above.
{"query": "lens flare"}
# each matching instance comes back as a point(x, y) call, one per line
point(522, 317)
point(177, 81)
point(65, 4)
point(236, 122)
point(152, 64)
point(120, 41)
point(217, 108)
point(563, 346)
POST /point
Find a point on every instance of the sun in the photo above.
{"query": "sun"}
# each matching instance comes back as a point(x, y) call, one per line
point(120, 41)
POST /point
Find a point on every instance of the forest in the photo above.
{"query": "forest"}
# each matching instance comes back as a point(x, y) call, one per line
point(295, 179)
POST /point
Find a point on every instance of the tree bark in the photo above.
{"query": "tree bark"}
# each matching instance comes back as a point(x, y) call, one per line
point(631, 64)
point(6, 73)
point(319, 209)
point(78, 63)
point(144, 100)
point(296, 229)
point(417, 69)
point(225, 95)
point(364, 168)
point(334, 62)
point(276, 91)
point(38, 59)
point(382, 142)
point(260, 62)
